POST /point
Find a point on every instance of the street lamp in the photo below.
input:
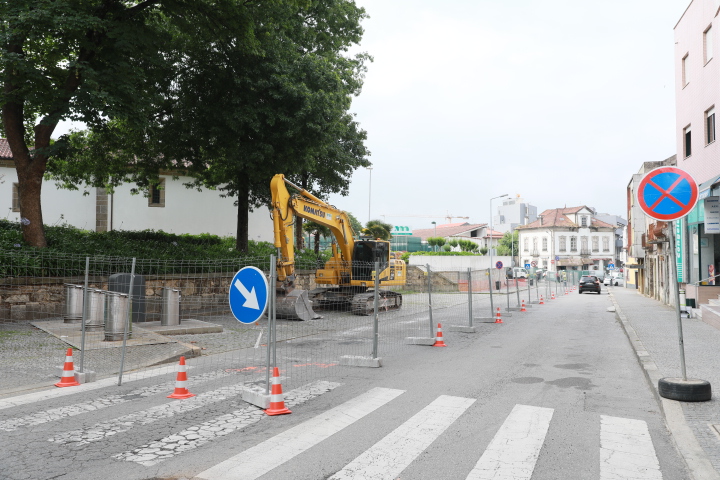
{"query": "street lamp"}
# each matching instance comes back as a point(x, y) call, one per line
point(369, 191)
point(490, 232)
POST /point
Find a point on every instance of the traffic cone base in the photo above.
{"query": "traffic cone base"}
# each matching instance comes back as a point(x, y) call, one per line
point(181, 392)
point(277, 399)
point(439, 338)
point(68, 374)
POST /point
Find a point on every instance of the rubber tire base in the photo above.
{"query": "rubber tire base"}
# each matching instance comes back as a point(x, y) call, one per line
point(690, 390)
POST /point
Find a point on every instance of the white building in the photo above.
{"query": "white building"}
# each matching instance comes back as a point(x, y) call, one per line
point(567, 238)
point(513, 212)
point(171, 208)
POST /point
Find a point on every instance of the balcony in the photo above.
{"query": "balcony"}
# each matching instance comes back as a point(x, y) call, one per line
point(584, 252)
point(535, 253)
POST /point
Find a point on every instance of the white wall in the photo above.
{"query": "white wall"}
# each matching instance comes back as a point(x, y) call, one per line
point(185, 210)
point(457, 263)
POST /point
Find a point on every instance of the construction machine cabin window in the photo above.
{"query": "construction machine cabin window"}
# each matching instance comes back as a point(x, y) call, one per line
point(156, 195)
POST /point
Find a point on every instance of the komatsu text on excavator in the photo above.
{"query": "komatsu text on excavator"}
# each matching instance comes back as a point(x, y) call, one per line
point(347, 278)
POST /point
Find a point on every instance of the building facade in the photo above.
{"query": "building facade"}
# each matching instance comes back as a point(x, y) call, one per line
point(169, 206)
point(512, 213)
point(567, 239)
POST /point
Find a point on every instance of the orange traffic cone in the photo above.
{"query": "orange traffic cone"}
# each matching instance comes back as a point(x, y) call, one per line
point(439, 338)
point(498, 317)
point(68, 374)
point(523, 306)
point(541, 301)
point(552, 295)
point(277, 399)
point(181, 391)
point(566, 291)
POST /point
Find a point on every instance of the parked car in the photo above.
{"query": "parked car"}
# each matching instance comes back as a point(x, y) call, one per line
point(517, 272)
point(589, 283)
point(617, 279)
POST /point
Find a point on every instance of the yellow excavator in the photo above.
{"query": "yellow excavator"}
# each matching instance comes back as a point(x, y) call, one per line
point(347, 279)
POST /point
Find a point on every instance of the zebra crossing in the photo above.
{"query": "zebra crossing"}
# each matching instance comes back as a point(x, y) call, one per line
point(626, 450)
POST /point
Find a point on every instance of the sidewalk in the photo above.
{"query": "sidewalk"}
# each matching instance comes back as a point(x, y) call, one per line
point(652, 330)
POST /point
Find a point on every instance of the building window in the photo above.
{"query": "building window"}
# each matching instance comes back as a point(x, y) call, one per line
point(573, 244)
point(562, 243)
point(526, 243)
point(708, 44)
point(534, 244)
point(685, 72)
point(156, 195)
point(544, 244)
point(710, 126)
point(606, 244)
point(596, 244)
point(584, 243)
point(15, 198)
point(687, 141)
point(583, 221)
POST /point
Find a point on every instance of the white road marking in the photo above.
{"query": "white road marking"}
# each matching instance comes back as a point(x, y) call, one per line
point(106, 401)
point(514, 449)
point(260, 459)
point(198, 435)
point(108, 428)
point(61, 392)
point(626, 450)
point(391, 455)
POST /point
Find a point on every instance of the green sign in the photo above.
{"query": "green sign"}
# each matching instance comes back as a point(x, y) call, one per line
point(397, 230)
point(679, 238)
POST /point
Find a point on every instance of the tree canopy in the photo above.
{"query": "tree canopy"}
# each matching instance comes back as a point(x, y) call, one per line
point(228, 92)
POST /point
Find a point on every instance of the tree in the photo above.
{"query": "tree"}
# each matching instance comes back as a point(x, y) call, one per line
point(483, 250)
point(354, 223)
point(436, 242)
point(454, 242)
point(317, 231)
point(378, 229)
point(91, 61)
point(508, 244)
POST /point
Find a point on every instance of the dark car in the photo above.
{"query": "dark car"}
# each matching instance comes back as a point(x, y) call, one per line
point(589, 283)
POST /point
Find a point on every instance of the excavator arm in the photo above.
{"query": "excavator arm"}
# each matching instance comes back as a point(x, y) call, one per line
point(305, 205)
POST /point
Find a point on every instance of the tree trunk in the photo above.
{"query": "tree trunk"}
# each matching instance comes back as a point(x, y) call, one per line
point(317, 242)
point(30, 170)
point(243, 205)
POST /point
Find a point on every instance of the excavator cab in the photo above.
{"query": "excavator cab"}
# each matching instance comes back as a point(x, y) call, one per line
point(365, 254)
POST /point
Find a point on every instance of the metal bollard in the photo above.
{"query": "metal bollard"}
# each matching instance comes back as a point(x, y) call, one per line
point(73, 303)
point(170, 313)
point(116, 312)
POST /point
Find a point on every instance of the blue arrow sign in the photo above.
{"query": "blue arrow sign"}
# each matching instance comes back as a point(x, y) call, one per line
point(248, 294)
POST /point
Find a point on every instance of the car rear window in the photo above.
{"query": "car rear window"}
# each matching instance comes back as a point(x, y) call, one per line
point(588, 278)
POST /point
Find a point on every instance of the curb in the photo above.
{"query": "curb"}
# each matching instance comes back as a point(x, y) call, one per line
point(684, 439)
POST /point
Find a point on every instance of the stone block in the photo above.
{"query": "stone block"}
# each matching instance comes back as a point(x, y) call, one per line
point(22, 298)
point(256, 396)
point(360, 361)
point(18, 312)
point(85, 377)
point(462, 329)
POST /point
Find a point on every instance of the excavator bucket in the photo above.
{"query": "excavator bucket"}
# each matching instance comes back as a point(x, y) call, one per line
point(295, 305)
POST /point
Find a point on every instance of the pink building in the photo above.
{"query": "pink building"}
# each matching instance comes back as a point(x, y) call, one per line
point(697, 89)
point(697, 98)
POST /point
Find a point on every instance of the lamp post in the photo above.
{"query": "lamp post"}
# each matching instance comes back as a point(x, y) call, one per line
point(369, 191)
point(491, 230)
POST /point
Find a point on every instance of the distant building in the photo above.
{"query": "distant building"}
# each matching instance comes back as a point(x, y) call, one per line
point(169, 207)
point(478, 233)
point(512, 213)
point(567, 239)
point(620, 223)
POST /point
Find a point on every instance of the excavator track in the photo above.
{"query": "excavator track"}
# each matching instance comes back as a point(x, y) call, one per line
point(364, 303)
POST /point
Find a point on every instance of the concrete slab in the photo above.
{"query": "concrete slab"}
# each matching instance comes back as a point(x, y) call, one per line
point(419, 341)
point(360, 361)
point(462, 328)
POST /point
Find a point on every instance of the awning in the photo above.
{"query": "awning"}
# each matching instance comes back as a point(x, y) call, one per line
point(705, 189)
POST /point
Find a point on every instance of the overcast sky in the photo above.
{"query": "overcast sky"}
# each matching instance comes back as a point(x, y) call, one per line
point(559, 101)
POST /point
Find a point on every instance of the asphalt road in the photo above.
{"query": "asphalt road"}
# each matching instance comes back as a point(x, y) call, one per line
point(554, 393)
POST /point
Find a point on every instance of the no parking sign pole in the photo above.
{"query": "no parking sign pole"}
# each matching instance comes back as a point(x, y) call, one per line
point(668, 194)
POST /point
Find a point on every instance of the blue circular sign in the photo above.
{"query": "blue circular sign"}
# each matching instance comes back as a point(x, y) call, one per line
point(667, 193)
point(248, 294)
point(499, 265)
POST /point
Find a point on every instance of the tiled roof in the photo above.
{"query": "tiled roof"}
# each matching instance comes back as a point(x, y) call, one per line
point(557, 217)
point(447, 230)
point(5, 149)
point(600, 223)
point(564, 211)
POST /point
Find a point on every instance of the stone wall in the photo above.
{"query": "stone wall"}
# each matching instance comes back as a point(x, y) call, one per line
point(27, 299)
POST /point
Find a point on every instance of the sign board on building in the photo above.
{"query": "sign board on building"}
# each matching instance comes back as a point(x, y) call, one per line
point(712, 215)
point(401, 230)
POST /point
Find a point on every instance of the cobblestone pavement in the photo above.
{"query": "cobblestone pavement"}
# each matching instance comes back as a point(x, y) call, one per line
point(656, 327)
